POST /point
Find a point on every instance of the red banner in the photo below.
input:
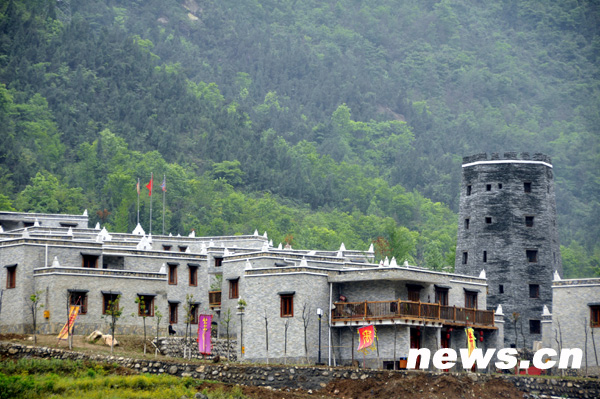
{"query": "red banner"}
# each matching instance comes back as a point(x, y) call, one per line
point(204, 326)
point(366, 337)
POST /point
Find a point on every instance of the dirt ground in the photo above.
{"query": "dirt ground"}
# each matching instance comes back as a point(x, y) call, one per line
point(418, 386)
point(415, 386)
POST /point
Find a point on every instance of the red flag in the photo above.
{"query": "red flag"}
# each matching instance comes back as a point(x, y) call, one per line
point(366, 337)
point(149, 185)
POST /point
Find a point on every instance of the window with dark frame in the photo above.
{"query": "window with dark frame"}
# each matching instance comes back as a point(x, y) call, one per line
point(90, 261)
point(467, 221)
point(287, 305)
point(234, 291)
point(535, 327)
point(532, 255)
point(79, 298)
point(173, 312)
point(534, 290)
point(146, 302)
point(11, 276)
point(469, 189)
point(484, 256)
point(441, 296)
point(172, 274)
point(501, 289)
point(527, 187)
point(529, 221)
point(595, 316)
point(109, 299)
point(218, 261)
point(499, 186)
point(193, 276)
point(167, 247)
point(488, 220)
point(471, 299)
point(183, 248)
point(488, 187)
point(465, 257)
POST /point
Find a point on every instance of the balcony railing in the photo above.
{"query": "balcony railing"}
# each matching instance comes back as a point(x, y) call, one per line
point(214, 299)
point(373, 311)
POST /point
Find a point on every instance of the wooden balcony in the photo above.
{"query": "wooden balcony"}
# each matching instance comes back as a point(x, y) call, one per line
point(408, 310)
point(214, 299)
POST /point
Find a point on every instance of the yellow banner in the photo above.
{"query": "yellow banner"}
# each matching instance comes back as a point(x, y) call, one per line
point(72, 317)
point(471, 340)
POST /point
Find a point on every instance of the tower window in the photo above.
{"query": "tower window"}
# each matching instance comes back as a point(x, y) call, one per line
point(534, 290)
point(488, 220)
point(173, 274)
point(501, 289)
point(535, 327)
point(469, 189)
point(465, 257)
point(499, 186)
point(11, 276)
point(595, 316)
point(484, 256)
point(488, 187)
point(218, 261)
point(527, 186)
point(529, 221)
point(467, 220)
point(287, 306)
point(532, 255)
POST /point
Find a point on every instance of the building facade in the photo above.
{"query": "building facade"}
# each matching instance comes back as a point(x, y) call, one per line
point(282, 305)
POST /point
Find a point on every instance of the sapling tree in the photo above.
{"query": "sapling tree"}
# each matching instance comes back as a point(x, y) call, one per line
point(143, 312)
point(227, 320)
point(35, 305)
point(305, 323)
point(113, 313)
point(286, 325)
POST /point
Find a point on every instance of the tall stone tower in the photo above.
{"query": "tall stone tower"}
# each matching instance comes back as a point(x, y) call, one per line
point(507, 227)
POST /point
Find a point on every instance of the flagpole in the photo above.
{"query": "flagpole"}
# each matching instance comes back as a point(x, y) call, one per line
point(138, 205)
point(164, 190)
point(151, 184)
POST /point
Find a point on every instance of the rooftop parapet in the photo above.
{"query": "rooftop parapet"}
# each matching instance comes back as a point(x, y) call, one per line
point(513, 156)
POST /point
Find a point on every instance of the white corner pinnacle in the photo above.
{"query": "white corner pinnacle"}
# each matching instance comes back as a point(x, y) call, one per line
point(499, 310)
point(370, 250)
point(265, 235)
point(271, 243)
point(280, 247)
point(248, 265)
point(25, 233)
point(482, 274)
point(386, 262)
point(163, 269)
point(85, 213)
point(226, 252)
point(256, 233)
point(556, 276)
point(303, 262)
point(546, 311)
point(55, 262)
point(138, 231)
point(192, 234)
point(393, 262)
point(36, 223)
point(97, 226)
point(1, 229)
point(342, 247)
point(70, 232)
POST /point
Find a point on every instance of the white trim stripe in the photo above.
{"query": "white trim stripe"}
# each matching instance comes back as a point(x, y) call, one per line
point(506, 161)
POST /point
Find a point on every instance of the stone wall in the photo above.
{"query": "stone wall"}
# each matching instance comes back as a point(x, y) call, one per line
point(280, 376)
point(177, 347)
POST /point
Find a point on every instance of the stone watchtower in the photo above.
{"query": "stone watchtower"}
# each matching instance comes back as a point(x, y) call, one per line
point(507, 227)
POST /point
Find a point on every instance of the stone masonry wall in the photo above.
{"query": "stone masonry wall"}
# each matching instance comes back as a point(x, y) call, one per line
point(280, 376)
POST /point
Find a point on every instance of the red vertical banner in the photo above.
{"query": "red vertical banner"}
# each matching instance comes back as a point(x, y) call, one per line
point(204, 342)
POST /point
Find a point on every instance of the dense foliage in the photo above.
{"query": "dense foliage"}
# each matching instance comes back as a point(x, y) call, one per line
point(327, 121)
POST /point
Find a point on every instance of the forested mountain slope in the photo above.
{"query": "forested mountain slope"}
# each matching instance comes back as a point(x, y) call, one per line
point(328, 121)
